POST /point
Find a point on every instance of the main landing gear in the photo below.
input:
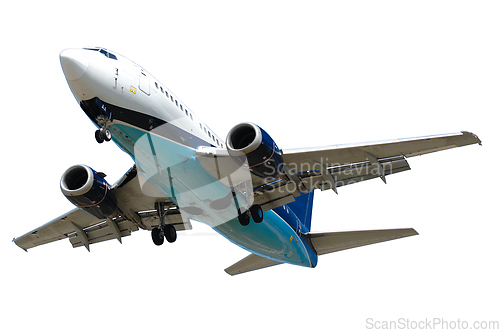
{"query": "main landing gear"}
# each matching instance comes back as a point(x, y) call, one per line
point(163, 231)
point(254, 212)
point(159, 234)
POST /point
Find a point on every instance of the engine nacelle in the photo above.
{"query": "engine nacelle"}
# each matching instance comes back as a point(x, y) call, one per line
point(88, 190)
point(251, 147)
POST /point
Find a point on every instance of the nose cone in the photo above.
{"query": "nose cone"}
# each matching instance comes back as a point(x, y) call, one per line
point(74, 63)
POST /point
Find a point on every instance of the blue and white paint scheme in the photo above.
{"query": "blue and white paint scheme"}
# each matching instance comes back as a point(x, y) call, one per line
point(245, 187)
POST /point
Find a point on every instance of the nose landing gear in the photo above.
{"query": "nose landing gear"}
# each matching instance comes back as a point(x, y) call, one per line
point(103, 134)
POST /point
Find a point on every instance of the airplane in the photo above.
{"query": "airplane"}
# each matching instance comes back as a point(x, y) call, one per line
point(255, 194)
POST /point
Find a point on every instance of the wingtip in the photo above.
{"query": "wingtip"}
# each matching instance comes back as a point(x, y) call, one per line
point(478, 141)
point(14, 240)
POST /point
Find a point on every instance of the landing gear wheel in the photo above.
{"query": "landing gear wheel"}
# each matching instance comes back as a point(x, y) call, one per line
point(257, 213)
point(106, 134)
point(103, 134)
point(170, 233)
point(98, 136)
point(157, 236)
point(244, 218)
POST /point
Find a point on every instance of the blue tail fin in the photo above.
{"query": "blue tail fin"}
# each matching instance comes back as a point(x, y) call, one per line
point(302, 207)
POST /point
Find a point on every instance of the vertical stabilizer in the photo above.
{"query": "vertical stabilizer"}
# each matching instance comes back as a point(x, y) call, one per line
point(302, 207)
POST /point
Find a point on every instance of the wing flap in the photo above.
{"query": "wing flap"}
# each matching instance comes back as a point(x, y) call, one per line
point(102, 232)
point(352, 173)
point(250, 263)
point(329, 242)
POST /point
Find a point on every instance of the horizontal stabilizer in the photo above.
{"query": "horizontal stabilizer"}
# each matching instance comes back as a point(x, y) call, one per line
point(323, 243)
point(328, 242)
point(250, 263)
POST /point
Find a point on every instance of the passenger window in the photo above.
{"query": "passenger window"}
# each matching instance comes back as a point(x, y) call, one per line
point(166, 93)
point(171, 98)
point(181, 106)
point(176, 103)
point(161, 88)
point(156, 84)
point(191, 116)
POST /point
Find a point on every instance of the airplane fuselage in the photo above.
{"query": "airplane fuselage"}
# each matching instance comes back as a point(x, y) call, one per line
point(164, 137)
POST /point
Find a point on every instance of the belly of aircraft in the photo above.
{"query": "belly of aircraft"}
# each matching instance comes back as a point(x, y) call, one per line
point(174, 170)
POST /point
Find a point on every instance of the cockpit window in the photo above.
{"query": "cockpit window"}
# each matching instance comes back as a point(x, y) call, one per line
point(108, 54)
point(103, 51)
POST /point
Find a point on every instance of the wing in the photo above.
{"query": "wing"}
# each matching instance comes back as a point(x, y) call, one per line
point(136, 211)
point(336, 166)
point(333, 166)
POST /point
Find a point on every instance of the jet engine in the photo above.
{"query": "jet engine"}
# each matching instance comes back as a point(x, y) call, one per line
point(88, 190)
point(251, 147)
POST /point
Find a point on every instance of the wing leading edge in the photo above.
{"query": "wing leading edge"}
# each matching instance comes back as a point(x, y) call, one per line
point(360, 152)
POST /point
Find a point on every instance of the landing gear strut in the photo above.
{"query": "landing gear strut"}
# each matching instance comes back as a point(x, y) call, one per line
point(163, 231)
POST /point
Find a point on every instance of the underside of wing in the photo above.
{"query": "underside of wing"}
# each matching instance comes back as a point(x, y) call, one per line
point(301, 159)
point(330, 167)
point(136, 211)
point(56, 229)
point(80, 227)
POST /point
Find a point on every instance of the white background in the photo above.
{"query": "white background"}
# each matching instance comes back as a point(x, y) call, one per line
point(311, 74)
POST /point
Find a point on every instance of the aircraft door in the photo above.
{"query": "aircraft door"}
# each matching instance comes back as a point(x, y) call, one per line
point(144, 82)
